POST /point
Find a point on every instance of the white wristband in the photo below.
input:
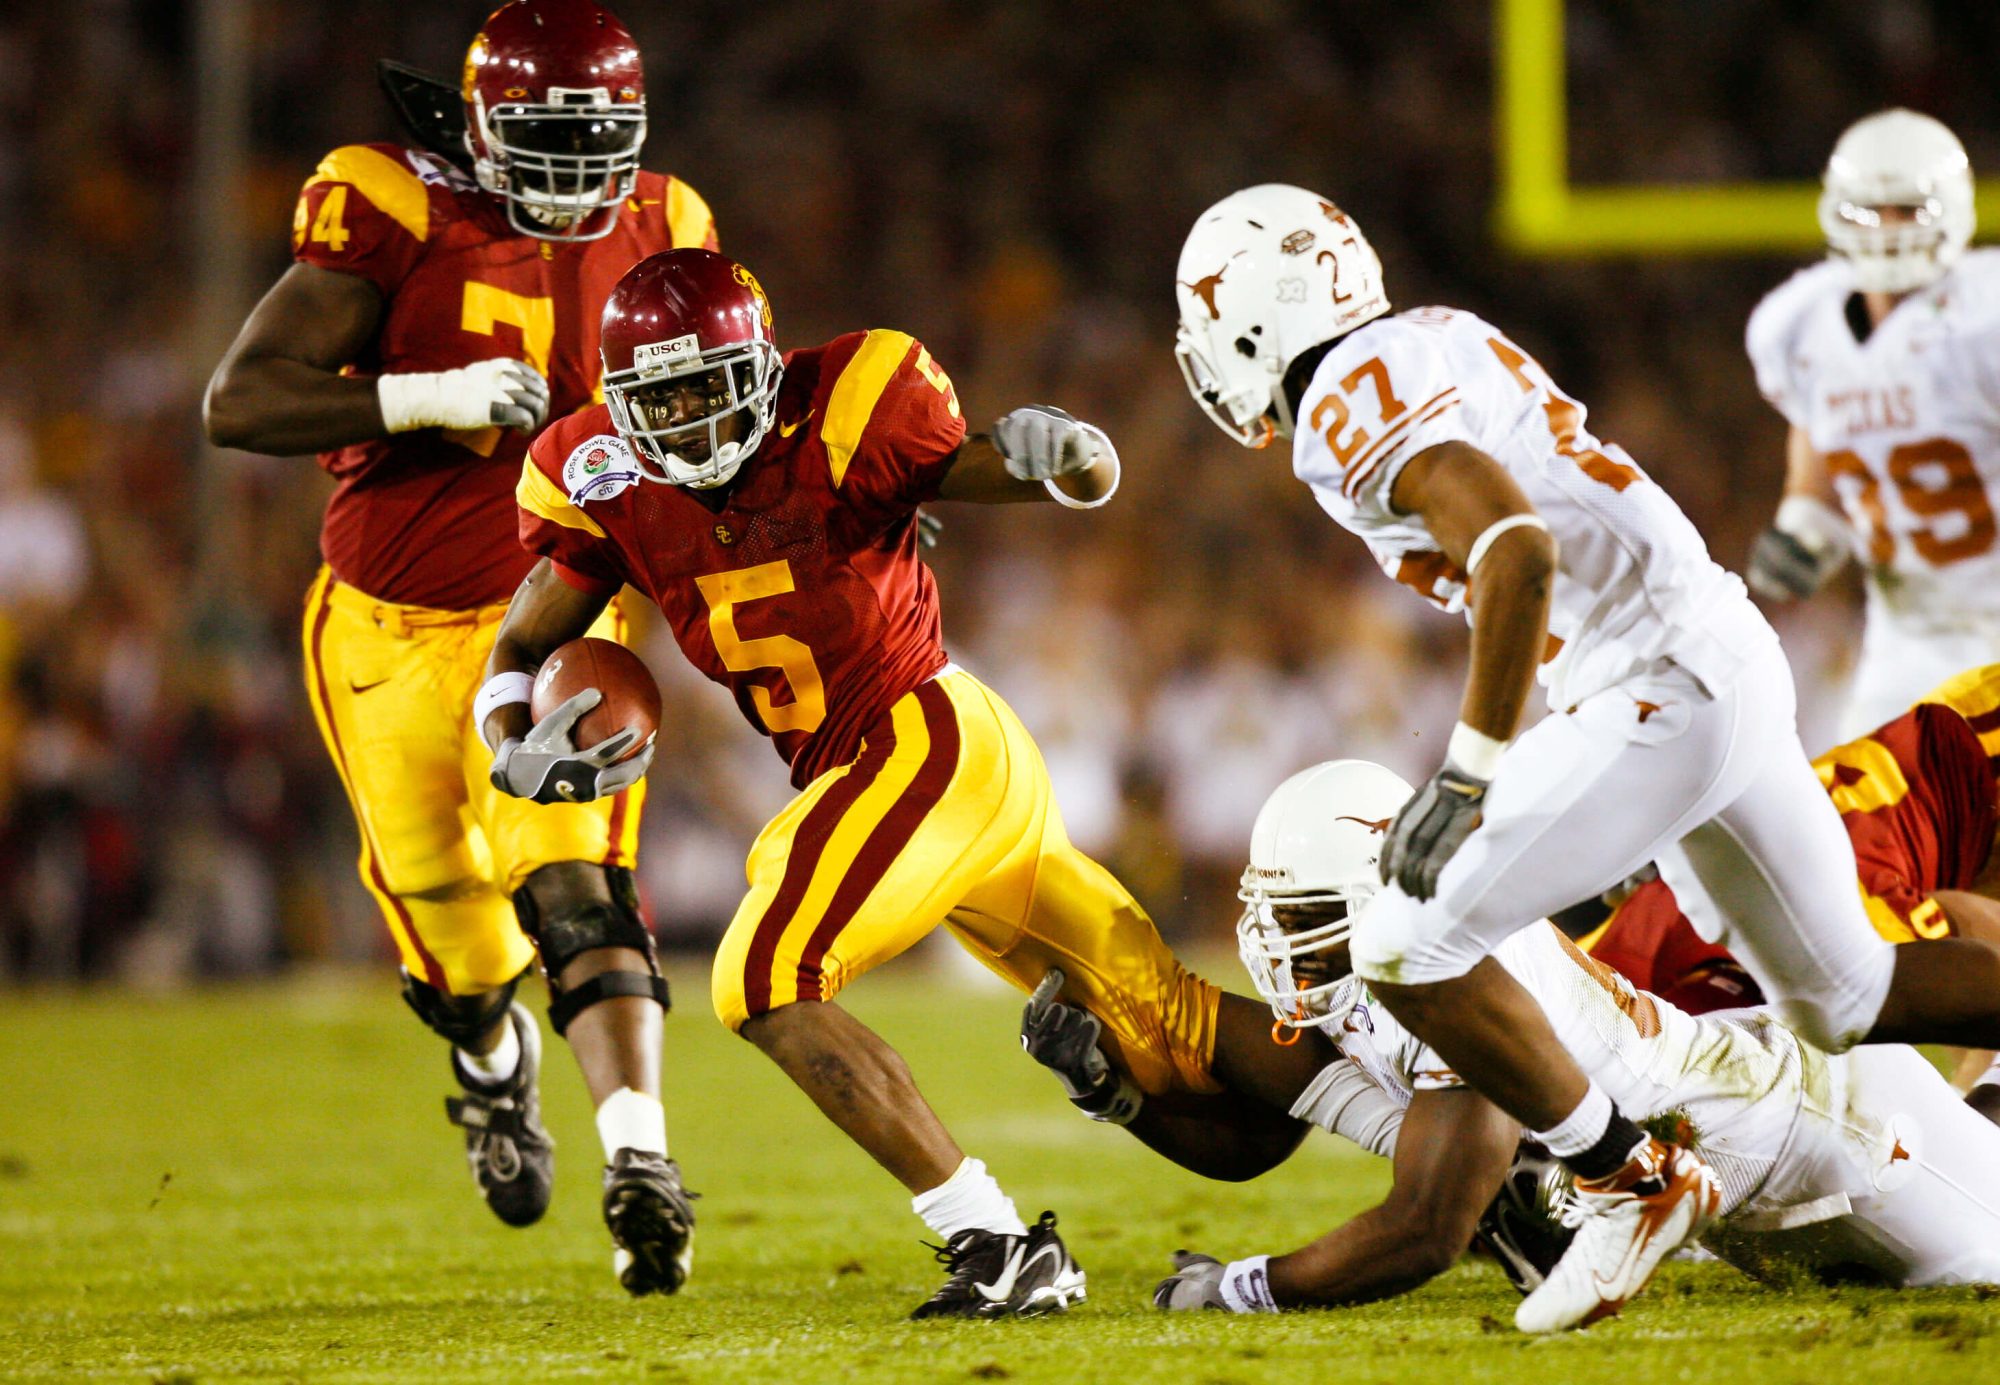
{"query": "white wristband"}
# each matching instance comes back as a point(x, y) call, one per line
point(1246, 1286)
point(410, 401)
point(1475, 752)
point(1814, 523)
point(1070, 502)
point(1494, 531)
point(501, 690)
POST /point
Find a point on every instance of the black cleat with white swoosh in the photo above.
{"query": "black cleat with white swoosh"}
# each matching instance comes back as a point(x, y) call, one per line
point(994, 1275)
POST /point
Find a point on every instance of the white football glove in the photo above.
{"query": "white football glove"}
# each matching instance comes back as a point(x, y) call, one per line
point(1196, 1283)
point(546, 766)
point(1038, 441)
point(486, 394)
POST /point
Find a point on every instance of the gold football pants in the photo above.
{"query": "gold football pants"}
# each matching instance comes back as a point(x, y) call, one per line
point(946, 816)
point(441, 849)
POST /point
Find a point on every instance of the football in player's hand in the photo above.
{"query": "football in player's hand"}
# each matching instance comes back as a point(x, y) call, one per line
point(631, 697)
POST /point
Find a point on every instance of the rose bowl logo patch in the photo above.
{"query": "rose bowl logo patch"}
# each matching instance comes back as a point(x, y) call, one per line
point(598, 468)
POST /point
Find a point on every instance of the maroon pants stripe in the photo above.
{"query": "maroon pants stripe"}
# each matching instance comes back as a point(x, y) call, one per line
point(890, 836)
point(808, 845)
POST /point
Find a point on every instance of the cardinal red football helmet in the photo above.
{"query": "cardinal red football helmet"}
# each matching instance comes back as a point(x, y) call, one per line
point(701, 319)
point(555, 112)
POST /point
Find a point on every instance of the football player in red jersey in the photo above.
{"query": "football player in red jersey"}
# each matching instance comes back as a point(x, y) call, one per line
point(445, 301)
point(766, 504)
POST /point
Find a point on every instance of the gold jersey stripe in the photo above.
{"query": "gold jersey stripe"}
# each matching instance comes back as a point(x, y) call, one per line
point(688, 218)
point(538, 495)
point(392, 187)
point(1880, 785)
point(855, 394)
point(1975, 695)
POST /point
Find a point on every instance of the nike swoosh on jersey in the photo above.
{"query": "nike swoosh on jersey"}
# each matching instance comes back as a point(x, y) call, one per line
point(1002, 1286)
point(786, 430)
point(353, 686)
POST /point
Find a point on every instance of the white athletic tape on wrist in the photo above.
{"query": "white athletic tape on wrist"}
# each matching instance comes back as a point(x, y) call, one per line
point(1475, 752)
point(1070, 502)
point(1246, 1286)
point(1814, 523)
point(1494, 531)
point(501, 690)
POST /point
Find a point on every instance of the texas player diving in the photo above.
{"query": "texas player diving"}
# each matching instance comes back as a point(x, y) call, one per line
point(766, 504)
point(444, 302)
point(1864, 1164)
point(1471, 477)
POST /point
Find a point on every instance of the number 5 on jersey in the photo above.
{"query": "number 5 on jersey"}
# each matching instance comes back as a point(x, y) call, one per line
point(724, 591)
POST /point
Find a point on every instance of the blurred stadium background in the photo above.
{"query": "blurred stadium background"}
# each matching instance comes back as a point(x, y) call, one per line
point(1011, 183)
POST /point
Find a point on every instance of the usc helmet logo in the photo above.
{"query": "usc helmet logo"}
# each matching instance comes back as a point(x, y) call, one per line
point(749, 281)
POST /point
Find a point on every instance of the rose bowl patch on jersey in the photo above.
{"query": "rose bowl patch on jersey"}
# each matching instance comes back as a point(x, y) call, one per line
point(598, 468)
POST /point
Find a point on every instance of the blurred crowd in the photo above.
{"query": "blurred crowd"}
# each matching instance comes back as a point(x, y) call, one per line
point(1008, 181)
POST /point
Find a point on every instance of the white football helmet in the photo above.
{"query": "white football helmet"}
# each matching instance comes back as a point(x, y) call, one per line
point(1318, 840)
point(1266, 273)
point(1897, 159)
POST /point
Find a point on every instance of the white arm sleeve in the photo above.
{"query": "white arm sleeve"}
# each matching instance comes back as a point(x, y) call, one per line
point(1345, 1100)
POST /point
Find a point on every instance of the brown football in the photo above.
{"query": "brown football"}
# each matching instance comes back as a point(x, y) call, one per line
point(631, 697)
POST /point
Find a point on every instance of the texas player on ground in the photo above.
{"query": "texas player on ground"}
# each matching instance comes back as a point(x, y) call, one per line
point(1918, 798)
point(1863, 1161)
point(1884, 359)
point(767, 507)
point(1471, 477)
point(445, 301)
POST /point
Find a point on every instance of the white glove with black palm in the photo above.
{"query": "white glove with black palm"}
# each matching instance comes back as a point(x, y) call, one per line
point(1038, 441)
point(496, 393)
point(1431, 828)
point(1063, 1039)
point(546, 766)
point(1196, 1283)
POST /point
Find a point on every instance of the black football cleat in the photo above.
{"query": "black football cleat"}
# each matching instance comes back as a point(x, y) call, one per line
point(993, 1275)
point(513, 1158)
point(651, 1217)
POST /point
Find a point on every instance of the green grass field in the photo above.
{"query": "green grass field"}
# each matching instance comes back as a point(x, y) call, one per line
point(258, 1184)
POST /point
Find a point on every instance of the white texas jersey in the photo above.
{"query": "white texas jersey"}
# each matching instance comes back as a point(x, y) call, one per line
point(1634, 581)
point(1738, 1081)
point(1908, 421)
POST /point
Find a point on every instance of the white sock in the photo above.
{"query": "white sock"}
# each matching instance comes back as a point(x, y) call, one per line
point(1581, 1128)
point(498, 1066)
point(1989, 1078)
point(970, 1200)
point(632, 1120)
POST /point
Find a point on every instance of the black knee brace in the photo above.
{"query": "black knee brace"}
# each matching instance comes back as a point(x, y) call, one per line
point(463, 1019)
point(564, 934)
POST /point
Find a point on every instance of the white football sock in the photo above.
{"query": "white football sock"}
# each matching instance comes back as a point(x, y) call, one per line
point(967, 1201)
point(1581, 1128)
point(632, 1120)
point(491, 1069)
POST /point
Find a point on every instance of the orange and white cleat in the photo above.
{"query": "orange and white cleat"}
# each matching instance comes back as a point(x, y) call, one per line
point(1662, 1198)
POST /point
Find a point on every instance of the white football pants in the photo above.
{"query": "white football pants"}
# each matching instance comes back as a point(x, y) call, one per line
point(1901, 662)
point(1711, 784)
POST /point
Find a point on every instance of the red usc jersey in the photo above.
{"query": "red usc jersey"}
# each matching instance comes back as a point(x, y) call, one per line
point(804, 594)
point(1918, 797)
point(427, 517)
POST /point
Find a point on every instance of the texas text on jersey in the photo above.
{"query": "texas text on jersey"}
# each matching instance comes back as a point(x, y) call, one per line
point(425, 518)
point(818, 534)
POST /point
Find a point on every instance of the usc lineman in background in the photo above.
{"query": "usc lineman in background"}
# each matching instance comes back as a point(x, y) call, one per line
point(1885, 360)
point(445, 301)
point(768, 507)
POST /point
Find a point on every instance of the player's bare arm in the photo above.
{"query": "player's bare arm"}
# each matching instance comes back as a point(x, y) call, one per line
point(1035, 453)
point(545, 614)
point(280, 390)
point(1453, 1152)
point(1808, 541)
point(1484, 524)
